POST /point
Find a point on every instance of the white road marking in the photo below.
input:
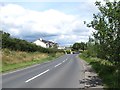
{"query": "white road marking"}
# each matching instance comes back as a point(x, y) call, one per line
point(58, 64)
point(37, 76)
point(63, 61)
point(66, 59)
point(24, 68)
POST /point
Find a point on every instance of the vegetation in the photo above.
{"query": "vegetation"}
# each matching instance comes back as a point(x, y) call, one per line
point(68, 51)
point(103, 50)
point(107, 71)
point(106, 41)
point(22, 45)
point(17, 53)
point(79, 46)
point(17, 59)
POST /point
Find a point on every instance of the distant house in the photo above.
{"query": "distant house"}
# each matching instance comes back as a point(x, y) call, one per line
point(61, 47)
point(45, 43)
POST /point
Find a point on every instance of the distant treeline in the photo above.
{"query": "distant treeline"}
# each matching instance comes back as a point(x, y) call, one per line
point(22, 45)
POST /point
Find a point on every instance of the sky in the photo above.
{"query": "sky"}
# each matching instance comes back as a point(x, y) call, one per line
point(58, 21)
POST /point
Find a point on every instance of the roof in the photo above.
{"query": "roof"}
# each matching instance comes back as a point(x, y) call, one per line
point(45, 41)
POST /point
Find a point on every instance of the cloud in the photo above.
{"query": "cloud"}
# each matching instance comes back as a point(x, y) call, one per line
point(70, 39)
point(30, 25)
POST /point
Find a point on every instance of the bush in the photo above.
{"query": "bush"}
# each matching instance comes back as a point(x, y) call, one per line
point(68, 51)
point(22, 45)
point(108, 71)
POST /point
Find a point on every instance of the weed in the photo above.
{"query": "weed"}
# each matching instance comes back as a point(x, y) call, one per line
point(108, 71)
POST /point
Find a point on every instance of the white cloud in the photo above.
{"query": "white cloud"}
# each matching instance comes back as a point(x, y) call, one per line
point(14, 30)
point(21, 22)
point(52, 0)
point(70, 39)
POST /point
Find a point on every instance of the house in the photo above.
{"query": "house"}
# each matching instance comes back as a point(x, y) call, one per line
point(45, 43)
point(61, 47)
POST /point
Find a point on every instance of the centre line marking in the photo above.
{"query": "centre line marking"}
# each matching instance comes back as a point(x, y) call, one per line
point(63, 61)
point(37, 76)
point(58, 64)
point(66, 59)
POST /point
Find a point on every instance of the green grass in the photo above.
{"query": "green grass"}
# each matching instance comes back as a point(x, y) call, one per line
point(12, 67)
point(12, 60)
point(109, 72)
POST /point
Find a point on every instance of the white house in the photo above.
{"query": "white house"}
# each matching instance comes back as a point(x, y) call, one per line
point(45, 44)
point(61, 47)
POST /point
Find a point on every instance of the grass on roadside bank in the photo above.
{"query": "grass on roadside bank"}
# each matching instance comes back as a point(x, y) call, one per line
point(108, 71)
point(12, 60)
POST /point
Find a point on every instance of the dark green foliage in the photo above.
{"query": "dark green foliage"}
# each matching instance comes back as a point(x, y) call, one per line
point(68, 51)
point(76, 46)
point(79, 46)
point(106, 42)
point(108, 72)
point(22, 45)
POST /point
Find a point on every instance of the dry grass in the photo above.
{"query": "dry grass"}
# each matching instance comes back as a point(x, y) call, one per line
point(14, 57)
point(18, 59)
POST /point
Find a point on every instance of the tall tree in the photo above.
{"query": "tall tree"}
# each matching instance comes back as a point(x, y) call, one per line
point(107, 26)
point(79, 46)
point(76, 46)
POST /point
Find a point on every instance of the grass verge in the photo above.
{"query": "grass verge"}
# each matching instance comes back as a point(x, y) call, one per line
point(12, 60)
point(108, 71)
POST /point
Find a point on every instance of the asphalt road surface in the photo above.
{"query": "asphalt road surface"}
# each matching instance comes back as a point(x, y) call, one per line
point(64, 72)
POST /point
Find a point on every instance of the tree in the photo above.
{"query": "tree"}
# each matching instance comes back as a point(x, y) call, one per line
point(83, 46)
point(79, 46)
point(76, 46)
point(107, 26)
point(22, 45)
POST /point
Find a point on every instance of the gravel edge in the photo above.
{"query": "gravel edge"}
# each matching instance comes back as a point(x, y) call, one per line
point(91, 80)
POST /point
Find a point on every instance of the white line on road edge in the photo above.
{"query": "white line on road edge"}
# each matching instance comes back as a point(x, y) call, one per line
point(20, 69)
point(63, 61)
point(24, 68)
point(58, 64)
point(37, 76)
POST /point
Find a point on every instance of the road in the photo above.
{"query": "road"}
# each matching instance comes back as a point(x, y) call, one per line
point(65, 72)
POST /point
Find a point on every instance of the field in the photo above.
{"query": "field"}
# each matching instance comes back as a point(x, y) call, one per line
point(12, 60)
